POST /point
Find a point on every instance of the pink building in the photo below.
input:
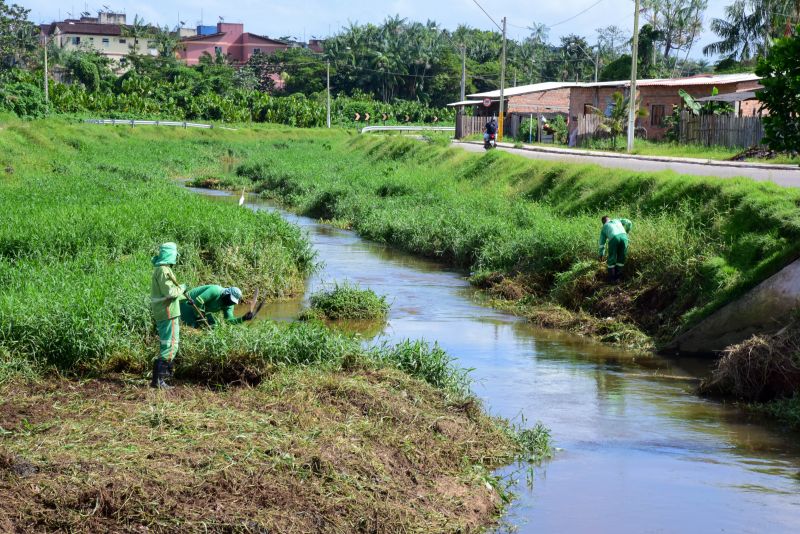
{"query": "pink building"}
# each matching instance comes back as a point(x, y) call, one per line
point(230, 40)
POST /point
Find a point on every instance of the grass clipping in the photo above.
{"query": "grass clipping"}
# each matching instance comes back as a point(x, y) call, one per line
point(367, 450)
point(763, 368)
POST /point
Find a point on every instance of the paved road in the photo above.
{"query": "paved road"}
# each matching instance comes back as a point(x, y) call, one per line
point(789, 177)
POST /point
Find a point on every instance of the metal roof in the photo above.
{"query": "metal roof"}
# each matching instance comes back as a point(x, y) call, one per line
point(523, 89)
point(465, 103)
point(703, 79)
point(739, 96)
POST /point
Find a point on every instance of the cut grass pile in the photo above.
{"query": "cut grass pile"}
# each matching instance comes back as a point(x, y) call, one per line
point(532, 226)
point(306, 451)
point(326, 435)
point(347, 301)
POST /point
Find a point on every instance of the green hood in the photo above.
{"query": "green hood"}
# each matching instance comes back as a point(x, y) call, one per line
point(167, 255)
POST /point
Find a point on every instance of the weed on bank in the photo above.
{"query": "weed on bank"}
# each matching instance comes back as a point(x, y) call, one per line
point(530, 228)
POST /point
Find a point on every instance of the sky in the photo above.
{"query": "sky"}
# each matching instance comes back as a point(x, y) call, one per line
point(320, 18)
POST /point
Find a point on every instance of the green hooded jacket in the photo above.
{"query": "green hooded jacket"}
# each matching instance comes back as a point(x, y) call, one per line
point(612, 229)
point(165, 292)
point(209, 300)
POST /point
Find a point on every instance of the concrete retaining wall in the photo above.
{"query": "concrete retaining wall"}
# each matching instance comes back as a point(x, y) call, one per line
point(764, 309)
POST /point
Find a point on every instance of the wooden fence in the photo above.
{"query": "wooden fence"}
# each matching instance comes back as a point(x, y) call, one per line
point(588, 128)
point(720, 130)
point(468, 125)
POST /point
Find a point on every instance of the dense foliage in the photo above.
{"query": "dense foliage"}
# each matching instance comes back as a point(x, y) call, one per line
point(781, 94)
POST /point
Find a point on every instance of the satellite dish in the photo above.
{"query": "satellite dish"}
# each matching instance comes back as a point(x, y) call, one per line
point(222, 19)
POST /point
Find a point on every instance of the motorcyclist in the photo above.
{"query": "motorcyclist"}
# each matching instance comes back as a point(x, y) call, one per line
point(489, 130)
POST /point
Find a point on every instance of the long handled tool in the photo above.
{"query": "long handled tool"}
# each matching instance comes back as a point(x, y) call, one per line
point(196, 309)
point(253, 308)
point(254, 302)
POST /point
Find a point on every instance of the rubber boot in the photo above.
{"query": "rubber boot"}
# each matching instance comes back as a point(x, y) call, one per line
point(612, 274)
point(159, 373)
point(617, 274)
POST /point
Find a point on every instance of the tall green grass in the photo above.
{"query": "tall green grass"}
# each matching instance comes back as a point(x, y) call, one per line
point(696, 243)
point(85, 208)
point(348, 301)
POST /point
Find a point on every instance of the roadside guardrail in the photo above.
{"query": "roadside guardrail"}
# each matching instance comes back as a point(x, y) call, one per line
point(132, 123)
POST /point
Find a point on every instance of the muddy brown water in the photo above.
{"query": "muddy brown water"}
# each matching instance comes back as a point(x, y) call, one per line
point(638, 452)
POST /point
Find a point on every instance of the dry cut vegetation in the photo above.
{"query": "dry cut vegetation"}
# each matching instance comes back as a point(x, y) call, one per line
point(351, 451)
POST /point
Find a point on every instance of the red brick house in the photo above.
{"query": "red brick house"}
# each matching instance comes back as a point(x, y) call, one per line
point(230, 40)
point(657, 96)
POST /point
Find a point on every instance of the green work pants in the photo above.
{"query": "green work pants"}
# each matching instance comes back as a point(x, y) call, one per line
point(169, 336)
point(617, 250)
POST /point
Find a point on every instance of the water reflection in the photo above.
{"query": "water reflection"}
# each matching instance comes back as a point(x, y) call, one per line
point(640, 452)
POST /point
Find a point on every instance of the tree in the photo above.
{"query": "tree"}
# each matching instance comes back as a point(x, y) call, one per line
point(619, 69)
point(780, 73)
point(137, 31)
point(750, 27)
point(574, 60)
point(167, 43)
point(614, 121)
point(678, 22)
point(18, 36)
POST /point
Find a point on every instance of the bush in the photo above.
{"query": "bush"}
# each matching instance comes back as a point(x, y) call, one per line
point(347, 301)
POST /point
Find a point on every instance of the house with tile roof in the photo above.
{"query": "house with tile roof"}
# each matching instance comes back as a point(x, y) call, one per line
point(104, 33)
point(229, 40)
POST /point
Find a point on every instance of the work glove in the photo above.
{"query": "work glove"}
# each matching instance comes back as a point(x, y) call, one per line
point(183, 288)
point(248, 316)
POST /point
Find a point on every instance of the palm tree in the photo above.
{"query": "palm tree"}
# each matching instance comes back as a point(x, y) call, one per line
point(750, 26)
point(616, 121)
point(137, 31)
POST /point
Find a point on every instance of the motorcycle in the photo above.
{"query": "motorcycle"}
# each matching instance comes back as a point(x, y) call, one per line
point(490, 142)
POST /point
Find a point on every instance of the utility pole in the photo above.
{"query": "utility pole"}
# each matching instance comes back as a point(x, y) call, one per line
point(329, 93)
point(46, 82)
point(501, 118)
point(463, 72)
point(596, 63)
point(632, 105)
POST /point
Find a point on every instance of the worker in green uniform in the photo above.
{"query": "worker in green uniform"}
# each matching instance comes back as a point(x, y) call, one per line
point(210, 300)
point(165, 294)
point(615, 234)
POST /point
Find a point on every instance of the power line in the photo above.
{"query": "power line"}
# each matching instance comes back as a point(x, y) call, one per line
point(576, 15)
point(488, 15)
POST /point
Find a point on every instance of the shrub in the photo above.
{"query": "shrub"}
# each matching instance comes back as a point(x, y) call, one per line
point(347, 301)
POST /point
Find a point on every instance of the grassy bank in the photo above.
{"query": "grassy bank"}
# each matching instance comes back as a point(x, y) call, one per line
point(527, 230)
point(386, 437)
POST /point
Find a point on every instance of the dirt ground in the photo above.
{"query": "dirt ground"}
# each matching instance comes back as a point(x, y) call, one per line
point(305, 451)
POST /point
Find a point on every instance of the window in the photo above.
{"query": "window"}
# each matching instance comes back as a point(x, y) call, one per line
point(123, 41)
point(256, 50)
point(76, 40)
point(657, 115)
point(105, 41)
point(218, 50)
